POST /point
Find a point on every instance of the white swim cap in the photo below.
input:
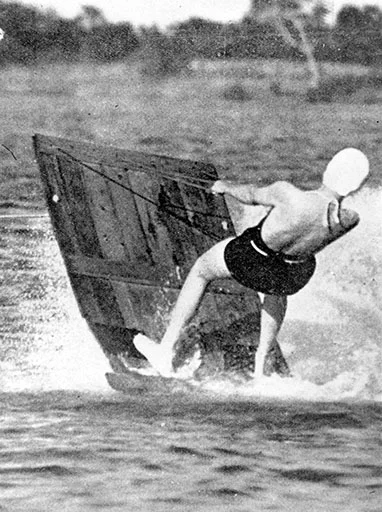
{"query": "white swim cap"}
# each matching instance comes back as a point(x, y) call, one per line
point(346, 171)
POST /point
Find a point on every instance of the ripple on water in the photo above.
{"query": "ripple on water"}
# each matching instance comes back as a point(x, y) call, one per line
point(184, 450)
point(230, 469)
point(312, 475)
point(48, 470)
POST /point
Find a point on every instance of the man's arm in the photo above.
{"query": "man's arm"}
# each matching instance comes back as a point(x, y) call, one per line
point(341, 220)
point(248, 193)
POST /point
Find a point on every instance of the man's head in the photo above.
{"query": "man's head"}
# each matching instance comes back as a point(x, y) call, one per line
point(346, 171)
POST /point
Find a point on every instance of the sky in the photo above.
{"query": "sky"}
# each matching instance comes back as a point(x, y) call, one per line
point(166, 12)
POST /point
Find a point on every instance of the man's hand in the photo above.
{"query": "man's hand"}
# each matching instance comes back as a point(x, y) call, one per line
point(218, 187)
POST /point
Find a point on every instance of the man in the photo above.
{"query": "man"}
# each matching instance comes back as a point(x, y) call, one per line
point(276, 257)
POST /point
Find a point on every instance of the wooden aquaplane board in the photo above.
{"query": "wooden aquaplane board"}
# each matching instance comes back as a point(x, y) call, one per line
point(130, 226)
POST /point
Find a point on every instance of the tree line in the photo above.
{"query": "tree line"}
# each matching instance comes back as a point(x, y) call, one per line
point(33, 35)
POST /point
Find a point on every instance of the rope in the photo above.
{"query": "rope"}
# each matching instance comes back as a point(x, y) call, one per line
point(174, 174)
point(24, 216)
point(184, 179)
point(173, 177)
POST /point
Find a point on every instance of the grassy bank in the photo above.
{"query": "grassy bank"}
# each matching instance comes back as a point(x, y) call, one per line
point(259, 134)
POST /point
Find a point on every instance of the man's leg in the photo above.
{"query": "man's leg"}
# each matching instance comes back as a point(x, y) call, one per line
point(209, 266)
point(272, 315)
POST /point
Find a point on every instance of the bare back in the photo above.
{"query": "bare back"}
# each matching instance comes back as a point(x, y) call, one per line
point(302, 223)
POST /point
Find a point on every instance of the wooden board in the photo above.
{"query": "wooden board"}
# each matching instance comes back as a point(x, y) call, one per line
point(134, 382)
point(130, 226)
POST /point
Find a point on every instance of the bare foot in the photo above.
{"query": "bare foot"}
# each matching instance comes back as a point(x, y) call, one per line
point(159, 356)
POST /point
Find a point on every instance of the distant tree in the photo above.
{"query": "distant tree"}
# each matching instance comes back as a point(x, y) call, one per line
point(291, 23)
point(261, 39)
point(358, 34)
point(111, 42)
point(319, 32)
point(319, 15)
point(91, 17)
point(273, 29)
point(31, 34)
point(21, 23)
point(66, 37)
point(104, 41)
point(349, 17)
point(199, 37)
point(373, 22)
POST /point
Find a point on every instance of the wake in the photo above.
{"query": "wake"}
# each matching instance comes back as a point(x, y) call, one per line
point(345, 387)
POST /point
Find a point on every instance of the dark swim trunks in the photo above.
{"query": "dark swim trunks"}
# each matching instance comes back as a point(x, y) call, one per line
point(255, 266)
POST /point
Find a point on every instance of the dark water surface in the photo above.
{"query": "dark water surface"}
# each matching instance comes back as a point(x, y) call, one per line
point(84, 451)
point(310, 444)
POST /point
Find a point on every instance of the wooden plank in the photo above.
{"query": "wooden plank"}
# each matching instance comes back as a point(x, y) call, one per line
point(115, 340)
point(99, 293)
point(199, 234)
point(113, 247)
point(159, 246)
point(67, 235)
point(190, 169)
point(123, 296)
point(133, 236)
point(74, 191)
point(231, 308)
point(144, 307)
point(97, 301)
point(91, 153)
point(109, 269)
point(134, 383)
point(206, 212)
point(102, 291)
point(174, 217)
point(58, 204)
point(87, 302)
point(121, 158)
point(204, 232)
point(106, 223)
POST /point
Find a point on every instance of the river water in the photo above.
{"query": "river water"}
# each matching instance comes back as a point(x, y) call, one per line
point(312, 442)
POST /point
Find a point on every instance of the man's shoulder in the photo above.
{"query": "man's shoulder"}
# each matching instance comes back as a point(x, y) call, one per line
point(284, 190)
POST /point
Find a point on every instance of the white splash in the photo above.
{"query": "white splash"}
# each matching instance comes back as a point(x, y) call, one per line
point(54, 348)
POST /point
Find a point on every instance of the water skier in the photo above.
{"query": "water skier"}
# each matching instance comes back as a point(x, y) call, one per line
point(275, 258)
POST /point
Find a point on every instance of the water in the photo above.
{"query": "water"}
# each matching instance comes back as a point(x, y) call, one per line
point(309, 443)
point(105, 452)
